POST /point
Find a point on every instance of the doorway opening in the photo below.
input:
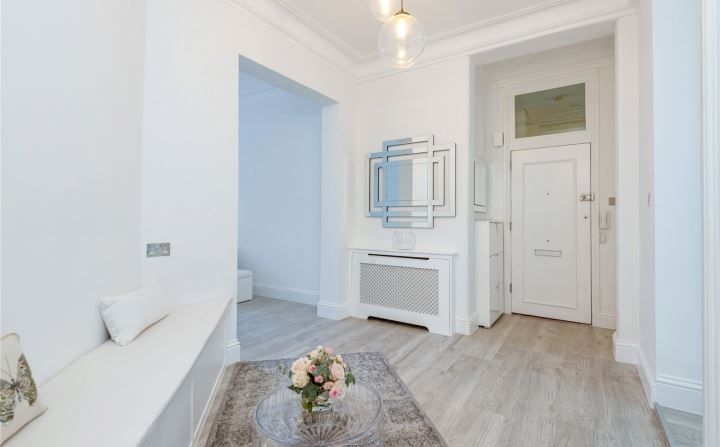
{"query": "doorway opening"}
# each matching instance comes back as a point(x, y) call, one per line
point(279, 187)
point(548, 126)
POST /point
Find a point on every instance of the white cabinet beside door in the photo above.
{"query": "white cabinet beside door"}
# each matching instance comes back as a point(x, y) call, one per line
point(489, 277)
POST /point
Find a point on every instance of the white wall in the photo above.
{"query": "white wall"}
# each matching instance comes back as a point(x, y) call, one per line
point(71, 139)
point(429, 100)
point(527, 69)
point(190, 153)
point(642, 58)
point(279, 197)
point(677, 106)
point(661, 56)
point(626, 337)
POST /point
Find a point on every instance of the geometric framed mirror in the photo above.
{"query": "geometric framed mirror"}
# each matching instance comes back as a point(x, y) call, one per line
point(411, 182)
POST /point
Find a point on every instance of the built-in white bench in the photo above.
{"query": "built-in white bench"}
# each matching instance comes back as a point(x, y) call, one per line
point(152, 392)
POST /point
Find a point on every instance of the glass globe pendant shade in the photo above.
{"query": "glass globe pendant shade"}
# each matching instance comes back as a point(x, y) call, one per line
point(401, 40)
point(382, 10)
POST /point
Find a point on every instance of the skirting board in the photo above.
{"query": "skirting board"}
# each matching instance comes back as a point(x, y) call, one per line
point(673, 392)
point(647, 378)
point(606, 321)
point(333, 311)
point(625, 351)
point(211, 399)
point(679, 394)
point(232, 351)
point(467, 326)
point(286, 293)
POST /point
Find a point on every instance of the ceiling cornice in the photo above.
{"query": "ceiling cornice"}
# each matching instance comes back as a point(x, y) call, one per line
point(272, 14)
point(321, 30)
point(560, 18)
point(551, 16)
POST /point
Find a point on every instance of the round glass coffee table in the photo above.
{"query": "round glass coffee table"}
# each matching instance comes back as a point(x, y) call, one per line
point(354, 420)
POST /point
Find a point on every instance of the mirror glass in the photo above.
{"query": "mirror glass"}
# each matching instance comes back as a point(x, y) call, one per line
point(406, 182)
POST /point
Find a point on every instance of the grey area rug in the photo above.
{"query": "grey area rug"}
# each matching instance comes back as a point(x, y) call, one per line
point(405, 423)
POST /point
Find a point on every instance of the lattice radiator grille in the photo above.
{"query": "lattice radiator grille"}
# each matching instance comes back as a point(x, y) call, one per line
point(404, 288)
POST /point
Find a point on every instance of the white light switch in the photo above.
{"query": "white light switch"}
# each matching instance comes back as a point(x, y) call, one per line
point(498, 139)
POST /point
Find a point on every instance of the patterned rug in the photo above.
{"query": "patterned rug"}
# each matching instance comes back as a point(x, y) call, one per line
point(405, 423)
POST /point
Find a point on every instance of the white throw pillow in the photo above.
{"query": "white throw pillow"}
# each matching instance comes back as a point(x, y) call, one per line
point(129, 314)
point(19, 403)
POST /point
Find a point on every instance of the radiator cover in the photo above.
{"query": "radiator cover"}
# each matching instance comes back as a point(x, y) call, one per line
point(403, 287)
point(410, 289)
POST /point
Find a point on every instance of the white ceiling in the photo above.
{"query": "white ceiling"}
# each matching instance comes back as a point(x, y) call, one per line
point(250, 84)
point(351, 26)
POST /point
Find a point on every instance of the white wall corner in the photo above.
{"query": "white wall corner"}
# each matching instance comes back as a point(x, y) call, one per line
point(286, 293)
point(467, 326)
point(625, 351)
point(232, 351)
point(679, 393)
point(333, 311)
point(647, 377)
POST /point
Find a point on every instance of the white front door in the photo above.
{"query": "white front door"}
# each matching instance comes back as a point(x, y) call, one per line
point(551, 252)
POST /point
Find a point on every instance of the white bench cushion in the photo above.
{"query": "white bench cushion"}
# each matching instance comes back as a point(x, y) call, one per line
point(112, 395)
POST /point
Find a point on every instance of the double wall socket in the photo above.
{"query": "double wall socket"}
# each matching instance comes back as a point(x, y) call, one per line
point(157, 249)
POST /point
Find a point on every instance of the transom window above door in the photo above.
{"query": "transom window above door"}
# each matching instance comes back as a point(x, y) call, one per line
point(552, 111)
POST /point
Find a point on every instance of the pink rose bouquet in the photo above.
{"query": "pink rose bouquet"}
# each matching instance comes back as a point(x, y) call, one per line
point(320, 377)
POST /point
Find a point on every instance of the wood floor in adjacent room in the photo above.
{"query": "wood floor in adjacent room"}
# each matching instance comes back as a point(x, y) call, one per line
point(525, 382)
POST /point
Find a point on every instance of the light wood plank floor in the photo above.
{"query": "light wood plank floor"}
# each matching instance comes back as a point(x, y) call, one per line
point(525, 382)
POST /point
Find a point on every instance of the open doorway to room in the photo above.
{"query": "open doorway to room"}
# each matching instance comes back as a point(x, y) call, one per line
point(279, 187)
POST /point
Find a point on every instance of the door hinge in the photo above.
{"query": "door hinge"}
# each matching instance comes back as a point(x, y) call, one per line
point(510, 287)
point(510, 225)
point(587, 197)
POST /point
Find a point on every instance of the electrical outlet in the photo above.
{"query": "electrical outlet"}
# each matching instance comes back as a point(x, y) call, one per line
point(157, 249)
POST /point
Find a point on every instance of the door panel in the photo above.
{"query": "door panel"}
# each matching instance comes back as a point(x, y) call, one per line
point(551, 257)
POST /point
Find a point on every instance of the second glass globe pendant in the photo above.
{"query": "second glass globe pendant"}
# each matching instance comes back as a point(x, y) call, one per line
point(401, 40)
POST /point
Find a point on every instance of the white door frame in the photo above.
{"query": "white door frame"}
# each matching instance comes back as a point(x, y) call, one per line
point(585, 73)
point(711, 218)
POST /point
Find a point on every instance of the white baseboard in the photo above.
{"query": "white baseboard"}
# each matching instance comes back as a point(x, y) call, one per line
point(625, 351)
point(467, 326)
point(333, 311)
point(209, 403)
point(286, 293)
point(232, 351)
point(679, 393)
point(606, 321)
point(647, 377)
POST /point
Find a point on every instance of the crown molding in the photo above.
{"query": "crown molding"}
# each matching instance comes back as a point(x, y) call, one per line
point(322, 31)
point(546, 18)
point(563, 17)
point(273, 14)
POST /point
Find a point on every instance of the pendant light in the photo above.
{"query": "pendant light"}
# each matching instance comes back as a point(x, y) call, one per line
point(401, 40)
point(382, 10)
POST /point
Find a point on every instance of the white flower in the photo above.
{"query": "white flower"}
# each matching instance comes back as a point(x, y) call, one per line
point(300, 365)
point(337, 372)
point(314, 354)
point(300, 379)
